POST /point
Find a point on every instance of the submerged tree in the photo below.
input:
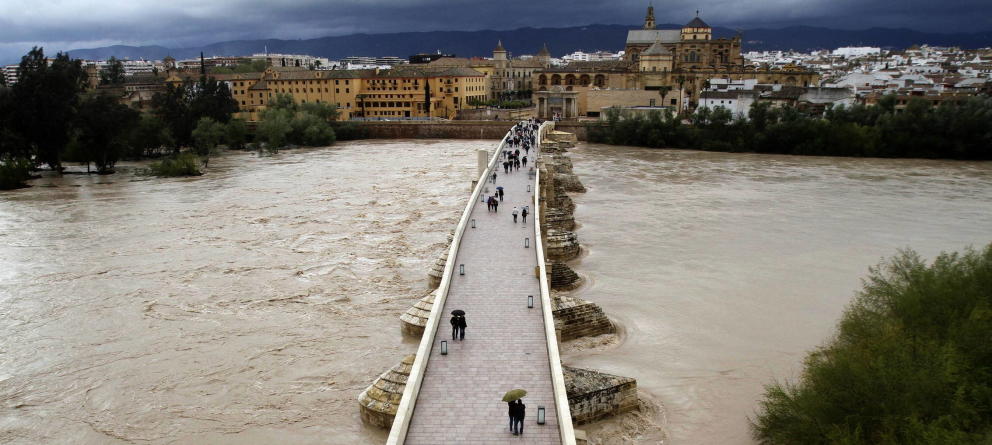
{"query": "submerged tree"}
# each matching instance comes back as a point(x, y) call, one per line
point(104, 127)
point(46, 96)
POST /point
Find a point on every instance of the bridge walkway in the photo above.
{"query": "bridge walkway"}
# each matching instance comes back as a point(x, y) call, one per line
point(505, 344)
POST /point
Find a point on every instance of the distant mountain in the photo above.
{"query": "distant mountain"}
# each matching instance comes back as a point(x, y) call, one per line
point(529, 40)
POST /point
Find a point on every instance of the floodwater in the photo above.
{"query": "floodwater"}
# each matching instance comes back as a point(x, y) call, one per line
point(247, 306)
point(724, 269)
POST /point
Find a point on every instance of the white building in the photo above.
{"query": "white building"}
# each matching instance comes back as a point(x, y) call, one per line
point(857, 51)
point(284, 60)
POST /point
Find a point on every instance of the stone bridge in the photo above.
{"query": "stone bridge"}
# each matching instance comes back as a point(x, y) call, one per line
point(494, 266)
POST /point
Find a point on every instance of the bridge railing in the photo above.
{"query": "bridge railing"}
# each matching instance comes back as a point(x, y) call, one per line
point(554, 357)
point(404, 413)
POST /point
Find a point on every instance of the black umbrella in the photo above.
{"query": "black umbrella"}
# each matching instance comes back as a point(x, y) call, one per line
point(457, 312)
point(499, 188)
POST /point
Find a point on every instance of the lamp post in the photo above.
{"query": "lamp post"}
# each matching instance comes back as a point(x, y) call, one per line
point(444, 347)
point(461, 269)
point(540, 414)
point(530, 301)
point(526, 242)
point(473, 223)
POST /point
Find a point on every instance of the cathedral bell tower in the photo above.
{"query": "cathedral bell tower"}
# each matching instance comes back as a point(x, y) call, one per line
point(649, 19)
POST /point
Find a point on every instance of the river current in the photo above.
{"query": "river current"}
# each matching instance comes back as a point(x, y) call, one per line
point(252, 305)
point(247, 306)
point(724, 269)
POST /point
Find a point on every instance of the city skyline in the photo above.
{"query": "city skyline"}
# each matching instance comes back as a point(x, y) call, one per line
point(71, 25)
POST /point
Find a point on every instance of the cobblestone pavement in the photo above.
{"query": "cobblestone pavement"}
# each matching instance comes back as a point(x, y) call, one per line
point(504, 346)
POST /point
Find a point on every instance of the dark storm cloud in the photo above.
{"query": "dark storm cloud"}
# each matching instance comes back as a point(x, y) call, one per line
point(67, 24)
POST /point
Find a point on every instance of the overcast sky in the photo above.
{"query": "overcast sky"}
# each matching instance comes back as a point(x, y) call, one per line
point(70, 24)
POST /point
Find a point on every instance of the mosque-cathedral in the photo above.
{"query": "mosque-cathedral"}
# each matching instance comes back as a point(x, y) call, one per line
point(666, 61)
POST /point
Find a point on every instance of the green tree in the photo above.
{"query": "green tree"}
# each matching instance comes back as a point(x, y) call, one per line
point(181, 107)
point(46, 96)
point(274, 128)
point(236, 134)
point(104, 126)
point(149, 136)
point(113, 74)
point(206, 136)
point(911, 362)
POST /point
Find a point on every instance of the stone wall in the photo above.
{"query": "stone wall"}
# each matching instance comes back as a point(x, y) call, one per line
point(577, 318)
point(462, 129)
point(437, 130)
point(378, 403)
point(595, 395)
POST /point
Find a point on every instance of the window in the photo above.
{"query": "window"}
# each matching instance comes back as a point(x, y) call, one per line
point(347, 90)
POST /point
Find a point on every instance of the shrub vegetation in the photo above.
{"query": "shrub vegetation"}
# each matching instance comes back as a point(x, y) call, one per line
point(911, 362)
point(954, 130)
point(183, 164)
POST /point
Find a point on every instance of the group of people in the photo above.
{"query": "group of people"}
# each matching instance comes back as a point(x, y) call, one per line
point(513, 161)
point(493, 202)
point(517, 413)
point(522, 212)
point(458, 326)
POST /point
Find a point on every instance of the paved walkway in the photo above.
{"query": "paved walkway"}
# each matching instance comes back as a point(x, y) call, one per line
point(504, 347)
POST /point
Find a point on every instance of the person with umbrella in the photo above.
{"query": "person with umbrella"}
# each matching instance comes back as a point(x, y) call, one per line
point(517, 410)
point(499, 191)
point(458, 324)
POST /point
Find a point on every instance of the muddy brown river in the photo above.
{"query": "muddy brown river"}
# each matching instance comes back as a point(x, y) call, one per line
point(247, 306)
point(253, 304)
point(723, 269)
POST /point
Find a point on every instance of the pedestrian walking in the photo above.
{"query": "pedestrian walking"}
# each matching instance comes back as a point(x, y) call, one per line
point(523, 214)
point(519, 414)
point(461, 327)
point(499, 191)
point(455, 326)
point(495, 206)
point(489, 204)
point(494, 177)
point(514, 212)
point(511, 410)
point(506, 167)
point(524, 160)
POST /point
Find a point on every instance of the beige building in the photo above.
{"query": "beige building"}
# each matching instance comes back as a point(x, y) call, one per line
point(677, 62)
point(397, 93)
point(507, 77)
